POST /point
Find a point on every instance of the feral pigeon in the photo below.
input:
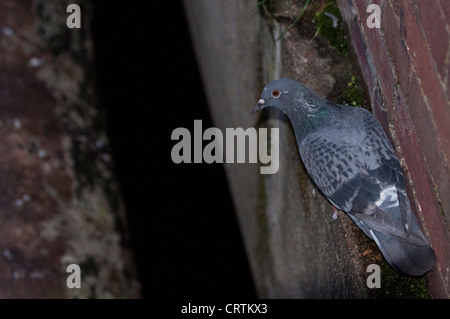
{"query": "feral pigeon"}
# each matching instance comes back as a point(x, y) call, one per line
point(350, 159)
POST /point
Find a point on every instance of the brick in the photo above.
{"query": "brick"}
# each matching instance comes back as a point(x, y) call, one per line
point(420, 129)
point(379, 109)
point(422, 61)
point(445, 9)
point(423, 121)
point(448, 85)
point(377, 48)
point(412, 152)
point(433, 24)
point(381, 63)
point(430, 139)
point(412, 36)
point(443, 181)
point(436, 102)
point(394, 31)
point(364, 55)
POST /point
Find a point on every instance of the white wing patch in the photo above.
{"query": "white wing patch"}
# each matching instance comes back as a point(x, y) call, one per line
point(388, 198)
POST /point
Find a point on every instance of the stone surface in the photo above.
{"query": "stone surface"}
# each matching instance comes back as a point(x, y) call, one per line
point(60, 202)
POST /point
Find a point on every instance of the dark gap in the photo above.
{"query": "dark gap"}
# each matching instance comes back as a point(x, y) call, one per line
point(184, 232)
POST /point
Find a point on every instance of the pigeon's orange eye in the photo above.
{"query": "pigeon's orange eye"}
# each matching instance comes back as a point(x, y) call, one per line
point(275, 93)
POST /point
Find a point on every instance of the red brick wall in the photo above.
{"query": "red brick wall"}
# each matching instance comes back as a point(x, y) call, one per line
point(406, 65)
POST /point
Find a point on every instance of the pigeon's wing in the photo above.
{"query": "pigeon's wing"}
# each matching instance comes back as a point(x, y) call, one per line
point(371, 190)
point(359, 172)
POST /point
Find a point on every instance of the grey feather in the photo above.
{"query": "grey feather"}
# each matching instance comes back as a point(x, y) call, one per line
point(350, 159)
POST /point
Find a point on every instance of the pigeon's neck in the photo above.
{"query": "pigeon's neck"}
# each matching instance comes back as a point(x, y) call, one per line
point(311, 115)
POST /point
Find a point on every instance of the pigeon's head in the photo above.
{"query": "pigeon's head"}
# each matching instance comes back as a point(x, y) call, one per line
point(279, 94)
point(291, 97)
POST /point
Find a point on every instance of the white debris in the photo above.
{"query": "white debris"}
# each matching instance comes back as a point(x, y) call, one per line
point(17, 274)
point(42, 153)
point(36, 275)
point(46, 167)
point(18, 203)
point(7, 254)
point(68, 259)
point(106, 157)
point(17, 124)
point(36, 62)
point(332, 17)
point(99, 143)
point(26, 197)
point(7, 31)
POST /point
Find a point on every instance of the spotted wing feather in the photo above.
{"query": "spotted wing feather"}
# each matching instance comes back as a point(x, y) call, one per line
point(357, 169)
point(354, 183)
point(355, 166)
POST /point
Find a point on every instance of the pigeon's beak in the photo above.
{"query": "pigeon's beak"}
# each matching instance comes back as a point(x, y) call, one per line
point(259, 106)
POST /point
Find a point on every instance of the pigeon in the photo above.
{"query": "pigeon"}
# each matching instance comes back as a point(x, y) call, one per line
point(350, 159)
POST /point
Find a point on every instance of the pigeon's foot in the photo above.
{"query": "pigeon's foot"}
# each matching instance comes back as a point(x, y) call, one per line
point(334, 212)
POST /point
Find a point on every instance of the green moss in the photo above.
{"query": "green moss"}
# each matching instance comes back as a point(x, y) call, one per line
point(353, 94)
point(395, 286)
point(330, 27)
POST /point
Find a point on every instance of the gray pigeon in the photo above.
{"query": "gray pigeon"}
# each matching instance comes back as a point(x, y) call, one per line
point(350, 159)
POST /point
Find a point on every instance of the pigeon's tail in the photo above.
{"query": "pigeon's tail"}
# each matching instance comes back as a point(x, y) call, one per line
point(408, 258)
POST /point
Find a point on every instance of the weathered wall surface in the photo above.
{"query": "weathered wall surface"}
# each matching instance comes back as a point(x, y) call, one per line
point(59, 200)
point(406, 66)
point(295, 249)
